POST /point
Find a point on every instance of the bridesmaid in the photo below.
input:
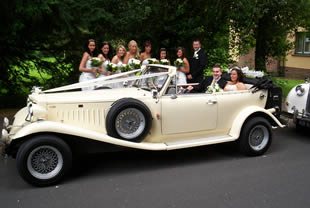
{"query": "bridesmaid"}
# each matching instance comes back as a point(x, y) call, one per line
point(147, 52)
point(106, 57)
point(118, 59)
point(88, 73)
point(182, 71)
point(133, 52)
point(163, 55)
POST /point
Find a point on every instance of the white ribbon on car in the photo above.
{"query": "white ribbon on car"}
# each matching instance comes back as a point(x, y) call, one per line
point(105, 80)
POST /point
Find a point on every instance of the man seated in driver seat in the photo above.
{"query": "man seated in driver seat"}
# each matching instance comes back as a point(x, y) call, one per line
point(215, 78)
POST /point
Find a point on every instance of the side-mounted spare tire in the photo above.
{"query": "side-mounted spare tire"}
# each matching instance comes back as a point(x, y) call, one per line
point(129, 119)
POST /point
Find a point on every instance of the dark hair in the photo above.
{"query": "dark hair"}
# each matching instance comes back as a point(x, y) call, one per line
point(183, 51)
point(239, 73)
point(147, 43)
point(110, 53)
point(162, 49)
point(217, 66)
point(196, 40)
point(86, 49)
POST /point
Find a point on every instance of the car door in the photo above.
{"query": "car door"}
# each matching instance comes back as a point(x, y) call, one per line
point(188, 113)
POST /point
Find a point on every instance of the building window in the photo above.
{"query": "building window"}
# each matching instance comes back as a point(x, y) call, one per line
point(302, 43)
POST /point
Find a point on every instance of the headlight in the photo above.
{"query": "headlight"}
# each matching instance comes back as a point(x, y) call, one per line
point(300, 91)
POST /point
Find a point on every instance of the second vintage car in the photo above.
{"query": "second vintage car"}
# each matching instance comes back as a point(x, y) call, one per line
point(152, 112)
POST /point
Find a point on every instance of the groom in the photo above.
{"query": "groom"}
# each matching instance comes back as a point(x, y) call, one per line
point(197, 64)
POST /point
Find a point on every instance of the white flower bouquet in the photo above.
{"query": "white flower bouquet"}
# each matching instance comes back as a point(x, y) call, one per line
point(112, 67)
point(135, 64)
point(214, 87)
point(152, 61)
point(178, 63)
point(164, 62)
point(125, 68)
point(95, 62)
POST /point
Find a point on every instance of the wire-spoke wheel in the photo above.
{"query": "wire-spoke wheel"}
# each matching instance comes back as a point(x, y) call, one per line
point(43, 160)
point(129, 119)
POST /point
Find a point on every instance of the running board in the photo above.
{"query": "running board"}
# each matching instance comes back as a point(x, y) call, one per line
point(199, 142)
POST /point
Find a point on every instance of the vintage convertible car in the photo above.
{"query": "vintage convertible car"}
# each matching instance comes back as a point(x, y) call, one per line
point(152, 112)
point(297, 105)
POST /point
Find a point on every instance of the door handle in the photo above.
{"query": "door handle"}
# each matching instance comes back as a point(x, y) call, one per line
point(211, 102)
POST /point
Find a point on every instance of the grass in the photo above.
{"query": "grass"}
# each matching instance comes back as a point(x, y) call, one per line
point(286, 84)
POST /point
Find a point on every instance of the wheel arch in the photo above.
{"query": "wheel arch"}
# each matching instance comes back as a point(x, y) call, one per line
point(250, 113)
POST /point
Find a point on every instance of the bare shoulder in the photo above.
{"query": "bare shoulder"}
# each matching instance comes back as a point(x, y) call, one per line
point(114, 59)
point(241, 86)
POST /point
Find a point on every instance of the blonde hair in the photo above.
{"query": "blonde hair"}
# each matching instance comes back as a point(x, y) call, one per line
point(121, 47)
point(137, 51)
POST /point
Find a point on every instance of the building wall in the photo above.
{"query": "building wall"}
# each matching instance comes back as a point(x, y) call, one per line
point(296, 66)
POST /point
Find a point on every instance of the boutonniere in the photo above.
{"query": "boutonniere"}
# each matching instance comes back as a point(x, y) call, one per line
point(195, 55)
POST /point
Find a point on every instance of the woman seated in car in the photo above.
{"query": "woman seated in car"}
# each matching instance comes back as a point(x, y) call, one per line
point(236, 83)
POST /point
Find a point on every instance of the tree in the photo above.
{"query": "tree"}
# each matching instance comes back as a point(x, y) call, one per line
point(265, 24)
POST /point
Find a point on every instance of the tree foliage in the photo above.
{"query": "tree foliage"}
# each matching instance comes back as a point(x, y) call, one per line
point(57, 29)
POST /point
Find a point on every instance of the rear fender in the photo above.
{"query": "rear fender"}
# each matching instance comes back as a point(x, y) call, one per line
point(250, 112)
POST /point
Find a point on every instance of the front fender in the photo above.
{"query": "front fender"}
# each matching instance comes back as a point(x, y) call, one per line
point(246, 113)
point(55, 127)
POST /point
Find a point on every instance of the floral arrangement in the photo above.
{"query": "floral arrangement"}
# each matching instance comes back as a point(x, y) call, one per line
point(95, 62)
point(152, 61)
point(135, 64)
point(195, 55)
point(214, 87)
point(112, 67)
point(125, 68)
point(164, 62)
point(178, 63)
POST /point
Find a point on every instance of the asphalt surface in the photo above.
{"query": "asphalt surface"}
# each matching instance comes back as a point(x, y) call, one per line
point(211, 176)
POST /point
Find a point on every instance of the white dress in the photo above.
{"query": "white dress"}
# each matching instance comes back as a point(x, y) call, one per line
point(85, 76)
point(104, 66)
point(119, 84)
point(231, 88)
point(181, 78)
point(145, 61)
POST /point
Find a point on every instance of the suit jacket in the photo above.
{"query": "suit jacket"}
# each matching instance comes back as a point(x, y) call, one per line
point(197, 66)
point(202, 87)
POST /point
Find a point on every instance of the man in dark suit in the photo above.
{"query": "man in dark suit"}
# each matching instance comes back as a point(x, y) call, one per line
point(197, 64)
point(217, 73)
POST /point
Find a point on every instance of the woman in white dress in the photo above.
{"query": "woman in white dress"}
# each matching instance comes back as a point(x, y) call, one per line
point(118, 59)
point(88, 72)
point(163, 55)
point(236, 83)
point(182, 71)
point(146, 55)
point(133, 52)
point(105, 56)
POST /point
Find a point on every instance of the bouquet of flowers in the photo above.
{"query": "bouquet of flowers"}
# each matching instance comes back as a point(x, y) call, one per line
point(214, 87)
point(179, 63)
point(125, 68)
point(153, 61)
point(135, 64)
point(164, 62)
point(112, 67)
point(95, 62)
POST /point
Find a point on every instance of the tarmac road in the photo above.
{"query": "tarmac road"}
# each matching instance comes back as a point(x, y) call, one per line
point(212, 176)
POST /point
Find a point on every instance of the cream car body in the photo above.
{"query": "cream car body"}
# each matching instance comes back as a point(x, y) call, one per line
point(178, 120)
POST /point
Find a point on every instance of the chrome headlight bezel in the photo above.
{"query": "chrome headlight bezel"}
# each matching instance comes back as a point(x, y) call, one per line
point(300, 91)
